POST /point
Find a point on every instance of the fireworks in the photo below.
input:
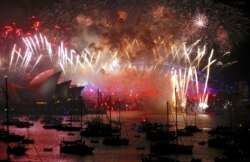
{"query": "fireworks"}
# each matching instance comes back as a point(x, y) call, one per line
point(111, 71)
point(200, 21)
point(144, 49)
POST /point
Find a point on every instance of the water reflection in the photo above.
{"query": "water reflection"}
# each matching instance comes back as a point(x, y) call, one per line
point(49, 138)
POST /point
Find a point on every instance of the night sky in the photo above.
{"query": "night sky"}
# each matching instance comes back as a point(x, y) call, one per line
point(241, 51)
point(17, 10)
point(174, 52)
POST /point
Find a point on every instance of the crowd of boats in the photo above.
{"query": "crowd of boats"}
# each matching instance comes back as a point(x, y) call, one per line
point(163, 139)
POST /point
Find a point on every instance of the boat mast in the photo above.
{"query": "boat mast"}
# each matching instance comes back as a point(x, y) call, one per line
point(98, 105)
point(230, 111)
point(119, 112)
point(176, 126)
point(7, 113)
point(195, 117)
point(167, 115)
point(81, 107)
point(7, 102)
point(110, 122)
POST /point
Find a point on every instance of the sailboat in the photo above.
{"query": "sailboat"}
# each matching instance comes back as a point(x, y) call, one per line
point(69, 126)
point(19, 149)
point(157, 158)
point(189, 129)
point(115, 138)
point(96, 128)
point(77, 147)
point(27, 140)
point(160, 132)
point(165, 147)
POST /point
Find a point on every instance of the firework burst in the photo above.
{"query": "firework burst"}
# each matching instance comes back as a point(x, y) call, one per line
point(106, 43)
point(111, 71)
point(200, 20)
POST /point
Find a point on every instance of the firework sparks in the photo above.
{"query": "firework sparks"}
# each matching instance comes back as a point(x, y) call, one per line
point(115, 70)
point(149, 42)
point(200, 20)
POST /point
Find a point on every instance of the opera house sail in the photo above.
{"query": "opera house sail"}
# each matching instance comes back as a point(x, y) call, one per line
point(46, 92)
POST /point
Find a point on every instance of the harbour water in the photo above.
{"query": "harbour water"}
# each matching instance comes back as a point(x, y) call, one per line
point(49, 138)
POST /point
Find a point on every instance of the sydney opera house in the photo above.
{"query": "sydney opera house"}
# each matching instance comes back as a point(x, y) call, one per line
point(45, 93)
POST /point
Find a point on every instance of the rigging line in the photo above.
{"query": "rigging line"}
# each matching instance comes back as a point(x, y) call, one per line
point(198, 120)
point(172, 114)
point(35, 147)
point(184, 118)
point(123, 123)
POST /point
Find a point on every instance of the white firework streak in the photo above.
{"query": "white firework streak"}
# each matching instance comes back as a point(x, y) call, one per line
point(204, 97)
point(12, 55)
point(182, 77)
point(35, 48)
point(187, 57)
